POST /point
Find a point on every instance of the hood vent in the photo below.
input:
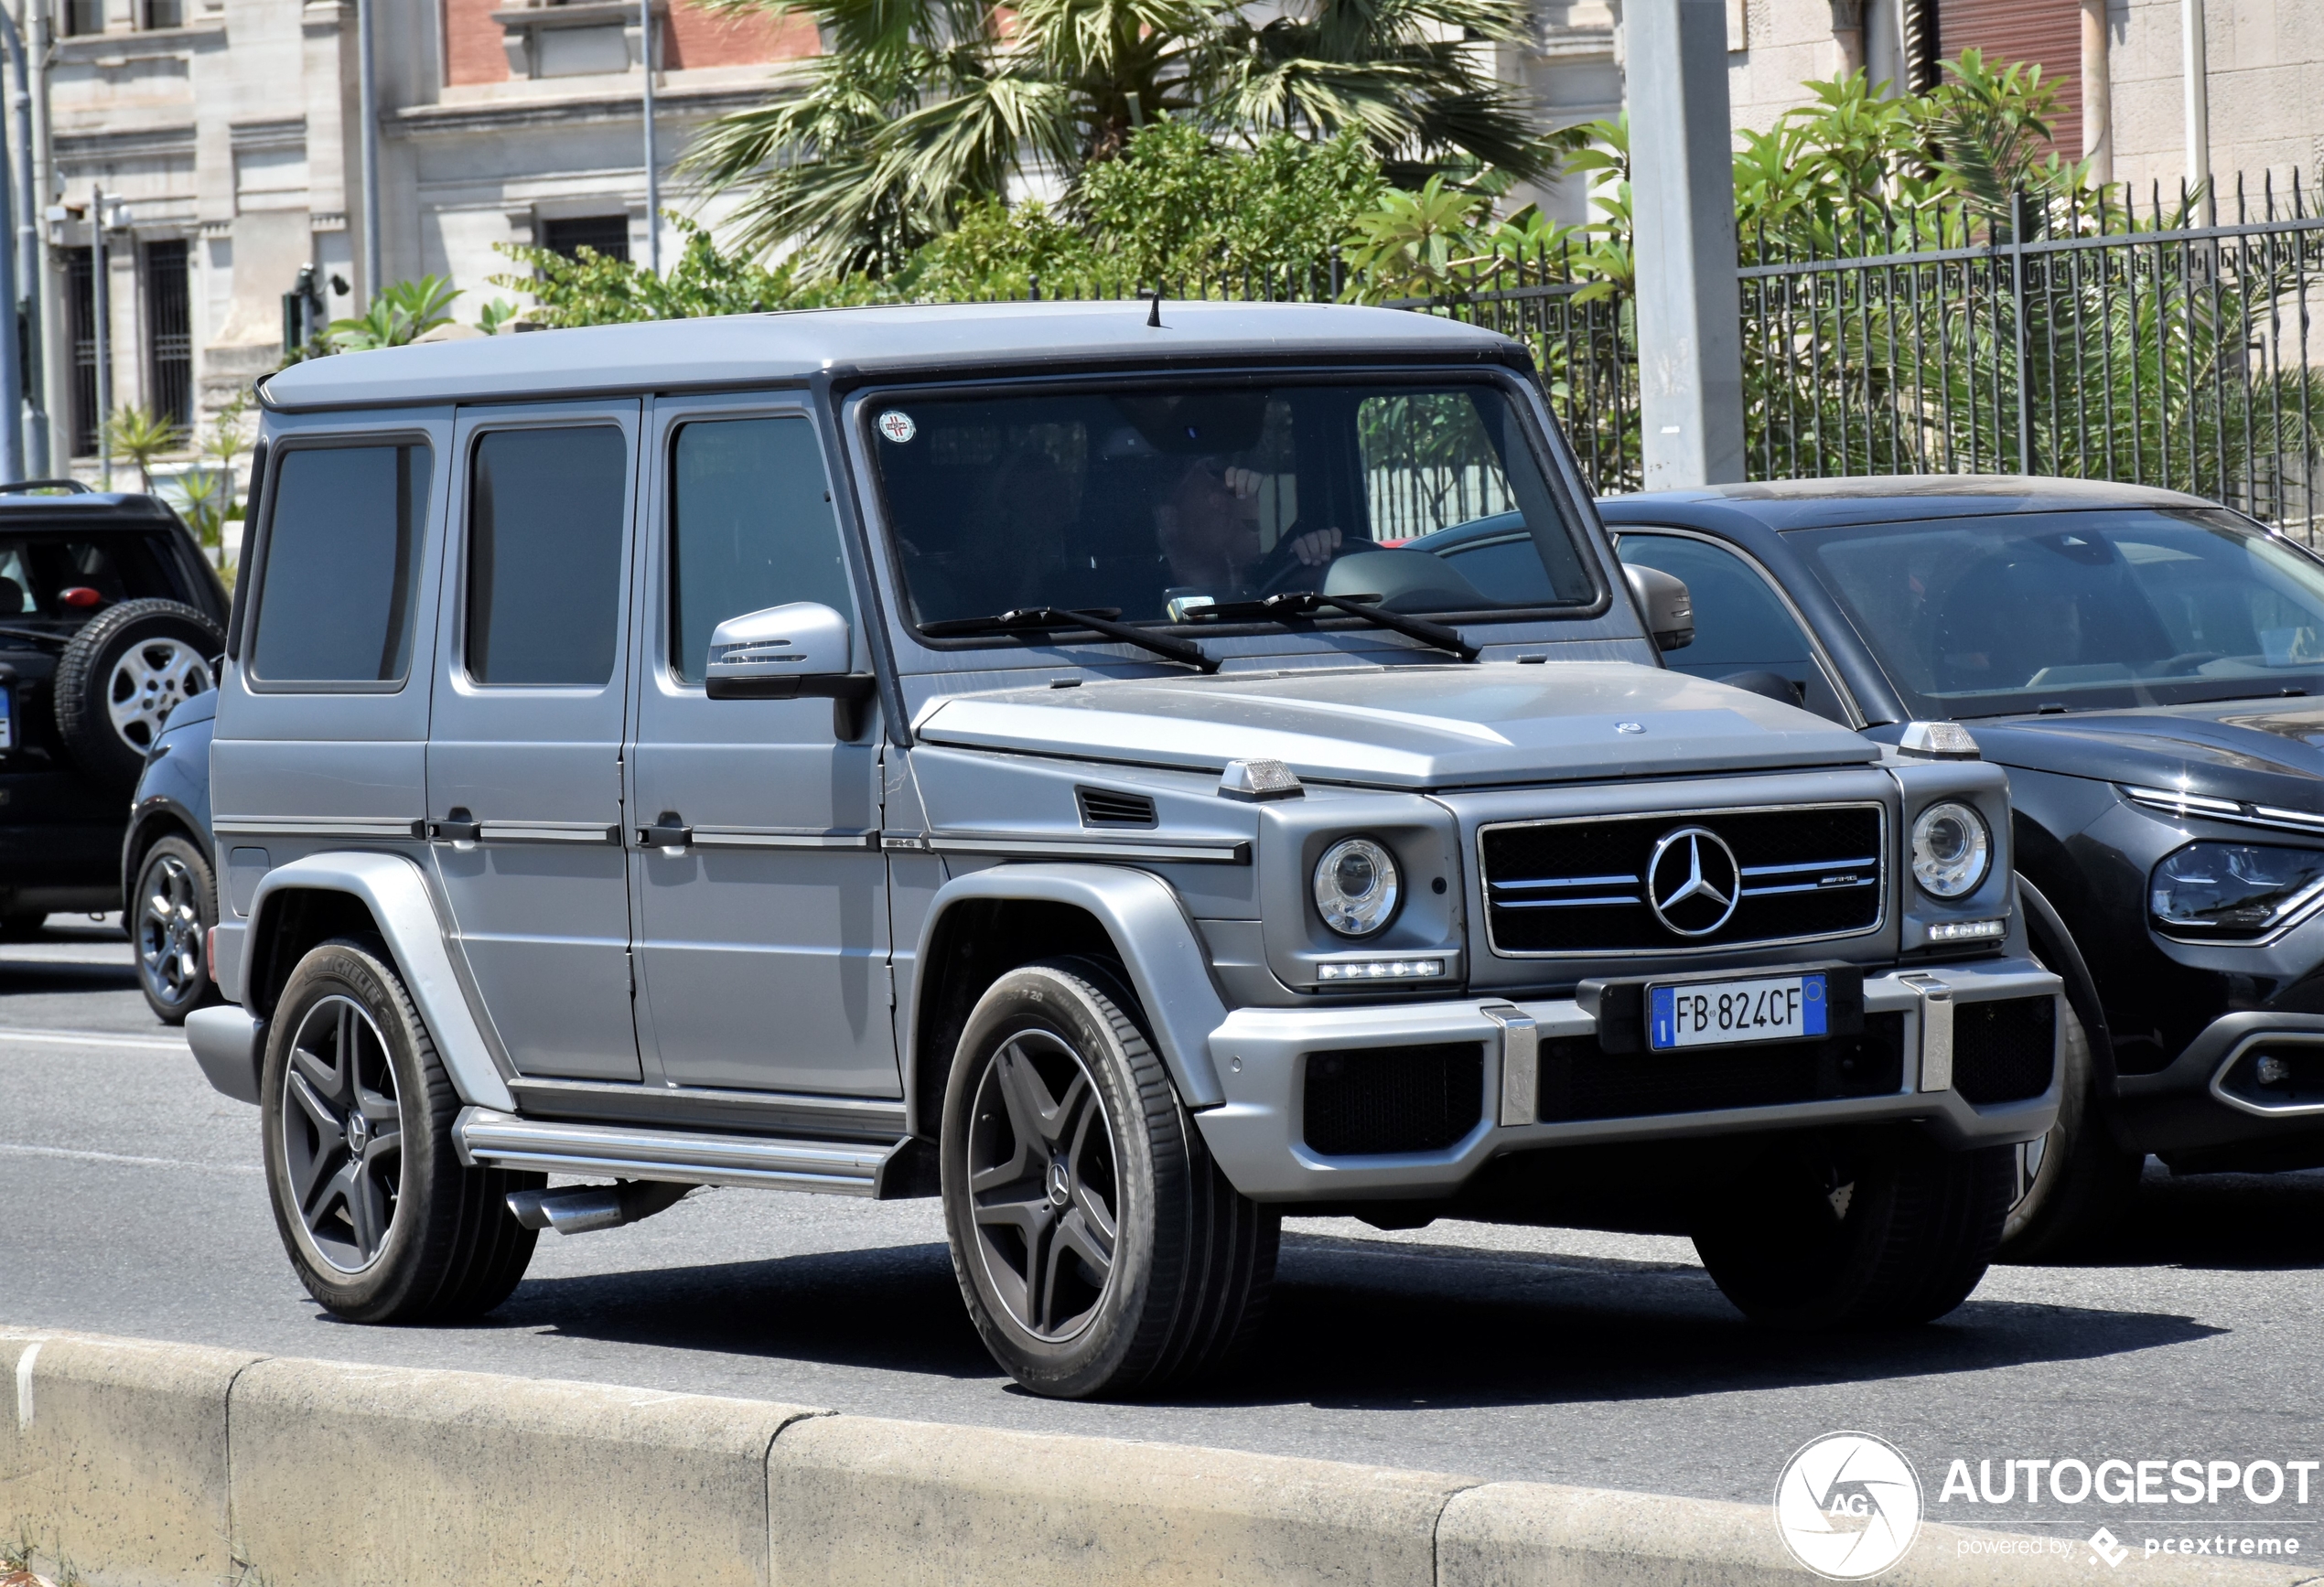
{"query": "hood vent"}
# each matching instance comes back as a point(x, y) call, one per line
point(1103, 807)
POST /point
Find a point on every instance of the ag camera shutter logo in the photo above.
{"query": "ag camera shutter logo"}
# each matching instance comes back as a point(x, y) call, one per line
point(1848, 1506)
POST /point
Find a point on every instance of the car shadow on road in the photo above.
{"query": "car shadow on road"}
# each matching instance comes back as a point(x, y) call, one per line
point(2231, 1222)
point(1355, 1324)
point(19, 977)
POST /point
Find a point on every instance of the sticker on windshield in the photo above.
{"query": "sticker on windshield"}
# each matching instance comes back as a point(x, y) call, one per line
point(896, 426)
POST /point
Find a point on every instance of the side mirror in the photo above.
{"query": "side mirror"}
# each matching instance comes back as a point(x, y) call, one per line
point(788, 652)
point(1668, 609)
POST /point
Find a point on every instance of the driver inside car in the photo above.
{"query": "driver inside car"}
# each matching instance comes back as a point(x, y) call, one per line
point(1207, 525)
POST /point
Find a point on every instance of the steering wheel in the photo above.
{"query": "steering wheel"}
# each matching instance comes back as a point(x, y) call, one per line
point(1282, 568)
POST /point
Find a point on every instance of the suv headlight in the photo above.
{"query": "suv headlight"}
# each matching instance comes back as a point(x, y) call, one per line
point(1356, 886)
point(2235, 889)
point(1951, 850)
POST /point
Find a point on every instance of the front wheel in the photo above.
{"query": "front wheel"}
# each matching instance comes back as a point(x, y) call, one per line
point(382, 1221)
point(1098, 1247)
point(2074, 1182)
point(1878, 1230)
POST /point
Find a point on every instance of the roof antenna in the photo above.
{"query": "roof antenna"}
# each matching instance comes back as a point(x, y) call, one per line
point(1153, 314)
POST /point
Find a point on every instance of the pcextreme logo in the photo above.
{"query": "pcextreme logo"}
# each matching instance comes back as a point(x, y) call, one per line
point(1848, 1506)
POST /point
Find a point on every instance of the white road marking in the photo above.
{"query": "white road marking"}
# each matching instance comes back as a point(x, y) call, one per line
point(89, 1039)
point(11, 1149)
point(23, 1385)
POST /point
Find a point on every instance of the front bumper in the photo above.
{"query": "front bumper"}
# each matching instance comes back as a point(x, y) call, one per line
point(2208, 1097)
point(1260, 1055)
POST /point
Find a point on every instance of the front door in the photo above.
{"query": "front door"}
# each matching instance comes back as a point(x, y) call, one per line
point(524, 756)
point(761, 894)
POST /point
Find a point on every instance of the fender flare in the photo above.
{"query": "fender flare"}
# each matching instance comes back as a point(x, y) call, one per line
point(1150, 929)
point(393, 888)
point(2043, 921)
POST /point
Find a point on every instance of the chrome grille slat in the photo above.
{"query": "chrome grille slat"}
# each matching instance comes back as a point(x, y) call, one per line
point(1805, 876)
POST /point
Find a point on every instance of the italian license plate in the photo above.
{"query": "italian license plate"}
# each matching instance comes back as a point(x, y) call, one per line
point(1705, 1014)
point(7, 720)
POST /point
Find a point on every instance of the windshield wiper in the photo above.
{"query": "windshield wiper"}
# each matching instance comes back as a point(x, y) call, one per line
point(35, 635)
point(1306, 604)
point(1033, 618)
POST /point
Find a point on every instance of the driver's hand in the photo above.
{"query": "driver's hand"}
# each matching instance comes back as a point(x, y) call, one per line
point(1316, 547)
point(1243, 482)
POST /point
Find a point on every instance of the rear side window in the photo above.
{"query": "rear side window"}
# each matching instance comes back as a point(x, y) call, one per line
point(69, 578)
point(545, 515)
point(751, 527)
point(338, 595)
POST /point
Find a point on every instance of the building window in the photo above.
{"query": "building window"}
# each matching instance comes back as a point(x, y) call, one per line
point(607, 234)
point(84, 16)
point(81, 323)
point(2045, 32)
point(169, 329)
point(165, 13)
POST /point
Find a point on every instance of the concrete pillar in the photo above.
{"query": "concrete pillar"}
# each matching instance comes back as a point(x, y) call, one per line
point(2097, 93)
point(1682, 194)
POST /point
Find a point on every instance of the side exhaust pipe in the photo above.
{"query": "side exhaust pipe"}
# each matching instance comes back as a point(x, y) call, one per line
point(579, 1208)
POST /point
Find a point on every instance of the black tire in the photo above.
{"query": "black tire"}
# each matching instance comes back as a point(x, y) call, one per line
point(170, 913)
point(449, 1247)
point(1867, 1231)
point(1190, 1260)
point(2071, 1185)
point(122, 674)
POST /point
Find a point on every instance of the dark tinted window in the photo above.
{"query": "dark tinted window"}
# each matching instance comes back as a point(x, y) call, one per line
point(1159, 503)
point(1984, 616)
point(1741, 625)
point(68, 579)
point(544, 583)
point(751, 527)
point(337, 597)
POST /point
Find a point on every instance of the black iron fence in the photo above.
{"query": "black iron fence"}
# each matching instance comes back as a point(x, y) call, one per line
point(2067, 338)
point(2079, 336)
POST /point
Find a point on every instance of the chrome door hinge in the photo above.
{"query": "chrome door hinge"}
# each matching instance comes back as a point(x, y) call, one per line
point(629, 961)
point(889, 970)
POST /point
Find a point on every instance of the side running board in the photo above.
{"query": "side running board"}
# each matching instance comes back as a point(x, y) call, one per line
point(901, 1168)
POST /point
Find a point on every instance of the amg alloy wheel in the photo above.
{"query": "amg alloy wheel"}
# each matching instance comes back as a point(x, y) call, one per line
point(1098, 1248)
point(382, 1221)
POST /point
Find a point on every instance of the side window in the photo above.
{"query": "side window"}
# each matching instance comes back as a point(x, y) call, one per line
point(337, 597)
point(1741, 625)
point(544, 573)
point(751, 526)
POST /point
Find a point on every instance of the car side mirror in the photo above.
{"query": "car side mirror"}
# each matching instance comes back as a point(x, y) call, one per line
point(1668, 609)
point(788, 652)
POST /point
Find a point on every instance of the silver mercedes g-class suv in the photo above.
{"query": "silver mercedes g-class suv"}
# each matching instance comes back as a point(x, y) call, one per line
point(1030, 755)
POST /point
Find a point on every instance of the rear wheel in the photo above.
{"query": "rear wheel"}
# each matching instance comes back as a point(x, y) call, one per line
point(1877, 1230)
point(122, 674)
point(1098, 1247)
point(382, 1221)
point(175, 904)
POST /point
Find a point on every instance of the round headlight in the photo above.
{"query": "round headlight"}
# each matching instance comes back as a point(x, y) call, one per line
point(1951, 850)
point(1356, 886)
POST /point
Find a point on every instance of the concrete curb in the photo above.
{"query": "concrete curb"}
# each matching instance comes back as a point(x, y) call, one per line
point(168, 1465)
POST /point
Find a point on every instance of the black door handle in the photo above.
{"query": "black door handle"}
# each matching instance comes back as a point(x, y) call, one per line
point(458, 826)
point(669, 831)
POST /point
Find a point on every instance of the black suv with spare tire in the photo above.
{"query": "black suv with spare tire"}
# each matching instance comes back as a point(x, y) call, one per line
point(109, 617)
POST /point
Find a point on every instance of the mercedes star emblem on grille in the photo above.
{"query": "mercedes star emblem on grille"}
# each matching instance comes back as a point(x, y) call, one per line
point(1692, 881)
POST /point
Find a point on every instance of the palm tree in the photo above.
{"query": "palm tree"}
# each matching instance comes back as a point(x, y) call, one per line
point(141, 435)
point(921, 106)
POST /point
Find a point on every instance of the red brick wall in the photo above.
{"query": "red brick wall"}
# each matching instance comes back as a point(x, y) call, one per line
point(472, 43)
point(691, 38)
point(695, 38)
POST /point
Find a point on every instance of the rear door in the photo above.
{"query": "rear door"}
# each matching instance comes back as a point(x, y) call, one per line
point(761, 898)
point(524, 774)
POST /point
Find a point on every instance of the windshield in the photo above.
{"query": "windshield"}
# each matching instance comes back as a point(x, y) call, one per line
point(1151, 503)
point(1988, 616)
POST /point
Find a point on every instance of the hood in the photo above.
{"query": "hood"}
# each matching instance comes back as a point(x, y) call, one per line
point(2266, 750)
point(1411, 727)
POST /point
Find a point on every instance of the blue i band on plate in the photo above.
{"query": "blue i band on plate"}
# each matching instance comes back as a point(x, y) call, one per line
point(1665, 1023)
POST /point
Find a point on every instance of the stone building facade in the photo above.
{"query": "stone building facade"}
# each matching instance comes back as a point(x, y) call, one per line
point(224, 136)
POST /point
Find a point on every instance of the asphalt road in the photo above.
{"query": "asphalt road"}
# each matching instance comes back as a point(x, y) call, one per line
point(131, 1203)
